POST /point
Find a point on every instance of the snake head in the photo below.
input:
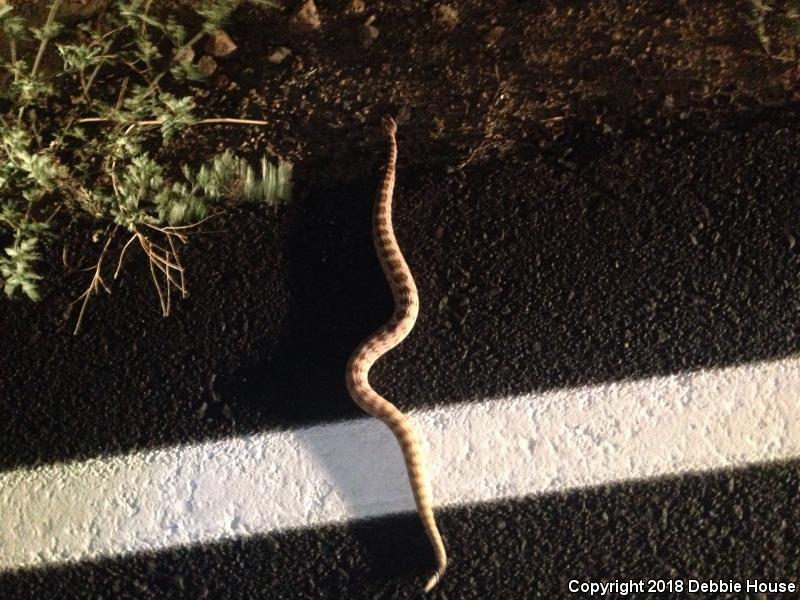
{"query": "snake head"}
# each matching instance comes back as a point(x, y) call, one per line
point(389, 125)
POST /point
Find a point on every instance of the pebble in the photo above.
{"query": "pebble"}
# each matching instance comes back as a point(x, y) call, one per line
point(494, 34)
point(306, 17)
point(278, 55)
point(355, 7)
point(206, 66)
point(184, 54)
point(446, 15)
point(220, 44)
point(367, 34)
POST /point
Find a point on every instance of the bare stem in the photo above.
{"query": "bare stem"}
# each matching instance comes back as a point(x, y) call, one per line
point(84, 88)
point(146, 10)
point(12, 47)
point(160, 260)
point(195, 39)
point(122, 255)
point(174, 228)
point(50, 17)
point(96, 69)
point(154, 122)
point(182, 286)
point(123, 88)
point(161, 298)
point(95, 284)
point(42, 45)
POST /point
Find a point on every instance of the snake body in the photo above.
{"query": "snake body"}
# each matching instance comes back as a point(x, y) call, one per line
point(384, 339)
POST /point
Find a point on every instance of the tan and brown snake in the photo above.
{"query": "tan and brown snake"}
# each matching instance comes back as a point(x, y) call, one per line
point(406, 302)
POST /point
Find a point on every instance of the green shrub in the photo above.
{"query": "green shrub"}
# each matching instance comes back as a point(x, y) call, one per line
point(73, 145)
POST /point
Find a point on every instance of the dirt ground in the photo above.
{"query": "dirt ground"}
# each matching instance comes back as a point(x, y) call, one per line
point(474, 80)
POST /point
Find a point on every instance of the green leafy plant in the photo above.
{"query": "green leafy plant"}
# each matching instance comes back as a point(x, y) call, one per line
point(76, 144)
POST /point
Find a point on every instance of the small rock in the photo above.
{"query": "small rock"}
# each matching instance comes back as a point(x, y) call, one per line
point(367, 34)
point(220, 44)
point(355, 7)
point(206, 66)
point(306, 17)
point(278, 55)
point(494, 34)
point(446, 16)
point(184, 54)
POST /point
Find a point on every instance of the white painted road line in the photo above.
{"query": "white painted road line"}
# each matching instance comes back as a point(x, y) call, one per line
point(479, 452)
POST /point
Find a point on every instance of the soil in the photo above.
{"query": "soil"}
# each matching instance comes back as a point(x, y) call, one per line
point(576, 196)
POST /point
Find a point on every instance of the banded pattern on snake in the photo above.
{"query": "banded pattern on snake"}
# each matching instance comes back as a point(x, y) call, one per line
point(384, 339)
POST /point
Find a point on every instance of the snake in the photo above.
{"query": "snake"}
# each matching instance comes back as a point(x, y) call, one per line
point(392, 333)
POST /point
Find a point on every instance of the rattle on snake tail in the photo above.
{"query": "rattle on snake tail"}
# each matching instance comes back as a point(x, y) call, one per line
point(384, 339)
